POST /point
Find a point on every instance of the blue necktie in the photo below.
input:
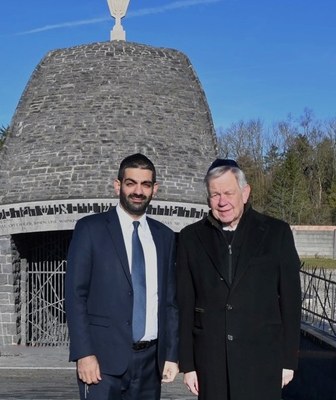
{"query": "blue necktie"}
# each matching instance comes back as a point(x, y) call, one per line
point(139, 286)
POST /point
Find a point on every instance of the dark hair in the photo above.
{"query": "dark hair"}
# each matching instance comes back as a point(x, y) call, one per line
point(223, 162)
point(136, 161)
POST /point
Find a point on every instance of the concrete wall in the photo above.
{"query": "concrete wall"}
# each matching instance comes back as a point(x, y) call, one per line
point(315, 241)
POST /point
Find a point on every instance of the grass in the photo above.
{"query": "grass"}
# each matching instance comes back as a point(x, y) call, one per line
point(319, 262)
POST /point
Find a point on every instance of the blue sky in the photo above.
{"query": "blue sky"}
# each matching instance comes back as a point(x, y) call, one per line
point(255, 58)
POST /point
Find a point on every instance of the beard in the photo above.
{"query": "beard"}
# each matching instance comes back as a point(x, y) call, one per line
point(131, 208)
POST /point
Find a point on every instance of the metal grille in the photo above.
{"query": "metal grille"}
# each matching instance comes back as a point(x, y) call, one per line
point(45, 321)
point(319, 299)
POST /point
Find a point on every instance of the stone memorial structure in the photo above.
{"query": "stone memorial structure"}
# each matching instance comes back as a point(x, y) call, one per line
point(118, 9)
point(83, 110)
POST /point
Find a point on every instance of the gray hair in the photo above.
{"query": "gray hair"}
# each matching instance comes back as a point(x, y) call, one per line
point(219, 171)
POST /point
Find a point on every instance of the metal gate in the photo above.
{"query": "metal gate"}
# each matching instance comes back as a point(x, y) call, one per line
point(42, 287)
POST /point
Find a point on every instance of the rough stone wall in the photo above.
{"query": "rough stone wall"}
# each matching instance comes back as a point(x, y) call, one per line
point(9, 292)
point(87, 107)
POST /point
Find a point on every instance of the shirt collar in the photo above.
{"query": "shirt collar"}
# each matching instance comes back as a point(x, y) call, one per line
point(127, 221)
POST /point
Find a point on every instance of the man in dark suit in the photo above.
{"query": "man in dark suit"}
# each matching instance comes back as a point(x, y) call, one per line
point(239, 296)
point(120, 294)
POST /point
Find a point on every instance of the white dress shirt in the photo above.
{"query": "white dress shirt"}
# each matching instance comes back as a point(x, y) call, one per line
point(148, 245)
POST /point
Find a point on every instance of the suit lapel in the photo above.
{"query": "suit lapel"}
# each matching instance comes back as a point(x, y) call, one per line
point(210, 246)
point(249, 245)
point(113, 226)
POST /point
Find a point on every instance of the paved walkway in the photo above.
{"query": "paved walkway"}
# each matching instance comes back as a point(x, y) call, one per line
point(43, 373)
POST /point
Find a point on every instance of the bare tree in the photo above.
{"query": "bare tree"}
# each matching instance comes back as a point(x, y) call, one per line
point(291, 167)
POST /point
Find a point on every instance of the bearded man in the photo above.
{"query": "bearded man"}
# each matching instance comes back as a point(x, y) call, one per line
point(120, 294)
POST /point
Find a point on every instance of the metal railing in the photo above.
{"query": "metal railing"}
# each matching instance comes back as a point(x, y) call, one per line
point(319, 299)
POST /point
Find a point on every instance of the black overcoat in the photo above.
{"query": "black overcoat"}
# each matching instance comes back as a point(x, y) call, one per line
point(239, 336)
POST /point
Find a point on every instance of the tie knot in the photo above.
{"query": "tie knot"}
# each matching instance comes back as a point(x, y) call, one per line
point(136, 225)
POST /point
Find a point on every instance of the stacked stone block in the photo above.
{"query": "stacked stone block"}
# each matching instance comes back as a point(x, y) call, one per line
point(83, 110)
point(9, 292)
point(87, 107)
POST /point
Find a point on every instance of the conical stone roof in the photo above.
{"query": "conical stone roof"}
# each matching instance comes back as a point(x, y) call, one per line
point(86, 108)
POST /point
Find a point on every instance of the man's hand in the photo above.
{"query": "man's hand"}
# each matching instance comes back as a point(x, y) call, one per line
point(88, 370)
point(191, 381)
point(287, 376)
point(170, 370)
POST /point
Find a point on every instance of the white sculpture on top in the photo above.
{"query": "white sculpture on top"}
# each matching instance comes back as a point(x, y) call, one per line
point(118, 9)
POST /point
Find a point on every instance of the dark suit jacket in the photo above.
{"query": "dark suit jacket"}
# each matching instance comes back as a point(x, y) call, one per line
point(239, 336)
point(99, 296)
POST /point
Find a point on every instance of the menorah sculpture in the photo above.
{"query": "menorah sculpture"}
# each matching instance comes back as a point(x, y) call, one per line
point(118, 9)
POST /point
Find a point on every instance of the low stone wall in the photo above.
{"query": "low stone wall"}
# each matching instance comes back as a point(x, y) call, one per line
point(315, 241)
point(9, 292)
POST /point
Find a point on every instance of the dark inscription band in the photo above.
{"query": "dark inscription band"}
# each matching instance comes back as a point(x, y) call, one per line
point(63, 215)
